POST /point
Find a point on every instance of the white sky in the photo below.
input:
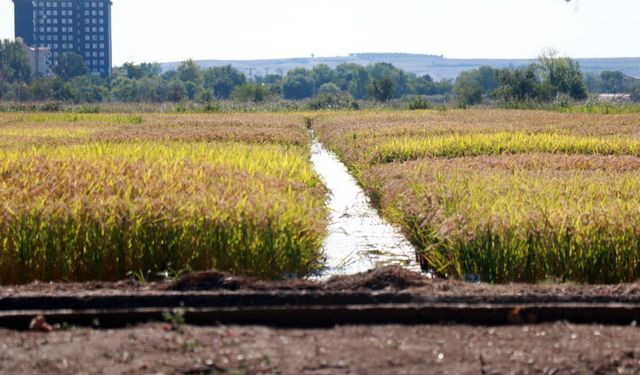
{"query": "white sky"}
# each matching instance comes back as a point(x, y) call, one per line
point(174, 30)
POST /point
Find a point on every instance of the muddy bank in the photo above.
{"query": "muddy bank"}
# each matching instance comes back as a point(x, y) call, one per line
point(389, 295)
point(385, 279)
point(157, 349)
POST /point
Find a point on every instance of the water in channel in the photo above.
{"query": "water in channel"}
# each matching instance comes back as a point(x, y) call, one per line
point(359, 239)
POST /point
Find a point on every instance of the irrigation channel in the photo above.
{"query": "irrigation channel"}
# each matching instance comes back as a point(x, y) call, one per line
point(359, 239)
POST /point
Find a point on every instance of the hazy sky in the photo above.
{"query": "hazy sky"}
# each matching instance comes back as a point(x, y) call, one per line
point(173, 30)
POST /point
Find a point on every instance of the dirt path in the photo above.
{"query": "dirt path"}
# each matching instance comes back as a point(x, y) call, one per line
point(157, 349)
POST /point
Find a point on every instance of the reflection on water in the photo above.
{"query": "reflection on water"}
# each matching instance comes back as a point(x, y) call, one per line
point(359, 239)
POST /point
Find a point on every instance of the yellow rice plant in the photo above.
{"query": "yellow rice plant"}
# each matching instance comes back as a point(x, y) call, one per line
point(99, 205)
point(519, 220)
point(508, 195)
point(403, 149)
point(19, 130)
point(364, 137)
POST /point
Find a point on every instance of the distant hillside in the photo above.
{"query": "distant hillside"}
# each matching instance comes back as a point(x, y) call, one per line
point(436, 66)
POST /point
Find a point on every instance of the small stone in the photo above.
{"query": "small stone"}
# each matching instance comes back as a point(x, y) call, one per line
point(40, 324)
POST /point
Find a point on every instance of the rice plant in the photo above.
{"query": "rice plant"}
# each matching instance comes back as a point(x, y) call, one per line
point(96, 199)
point(508, 195)
point(406, 148)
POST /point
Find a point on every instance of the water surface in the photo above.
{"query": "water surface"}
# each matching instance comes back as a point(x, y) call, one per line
point(359, 239)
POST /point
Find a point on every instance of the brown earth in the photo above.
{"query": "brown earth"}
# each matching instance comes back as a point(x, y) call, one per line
point(157, 349)
point(383, 279)
point(383, 349)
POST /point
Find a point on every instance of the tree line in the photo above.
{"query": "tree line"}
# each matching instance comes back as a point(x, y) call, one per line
point(550, 78)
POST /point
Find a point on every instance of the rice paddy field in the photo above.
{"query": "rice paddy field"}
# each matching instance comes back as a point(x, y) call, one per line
point(101, 196)
point(507, 195)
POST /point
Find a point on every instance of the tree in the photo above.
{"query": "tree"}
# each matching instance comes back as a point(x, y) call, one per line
point(176, 91)
point(131, 70)
point(487, 78)
point(270, 79)
point(273, 82)
point(251, 92)
point(18, 91)
point(86, 89)
point(444, 87)
point(322, 74)
point(151, 89)
point(593, 82)
point(170, 75)
point(382, 89)
point(635, 93)
point(382, 71)
point(613, 82)
point(190, 75)
point(48, 88)
point(471, 85)
point(124, 89)
point(151, 69)
point(134, 71)
point(14, 63)
point(189, 71)
point(221, 81)
point(329, 88)
point(424, 85)
point(341, 100)
point(69, 66)
point(194, 90)
point(562, 76)
point(518, 85)
point(298, 84)
point(4, 88)
point(352, 78)
point(467, 89)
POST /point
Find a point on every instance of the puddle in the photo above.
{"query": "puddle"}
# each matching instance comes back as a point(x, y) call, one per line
point(359, 239)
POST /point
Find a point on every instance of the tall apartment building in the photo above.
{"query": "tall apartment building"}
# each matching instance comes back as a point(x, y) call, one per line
point(80, 26)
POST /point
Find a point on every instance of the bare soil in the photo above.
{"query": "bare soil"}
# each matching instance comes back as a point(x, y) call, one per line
point(161, 348)
point(158, 349)
point(390, 278)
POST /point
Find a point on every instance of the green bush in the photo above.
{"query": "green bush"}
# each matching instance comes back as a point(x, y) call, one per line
point(251, 92)
point(51, 107)
point(332, 102)
point(211, 107)
point(419, 103)
point(329, 88)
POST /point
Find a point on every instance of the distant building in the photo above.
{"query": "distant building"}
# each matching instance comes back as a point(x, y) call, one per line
point(80, 26)
point(615, 98)
point(39, 59)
